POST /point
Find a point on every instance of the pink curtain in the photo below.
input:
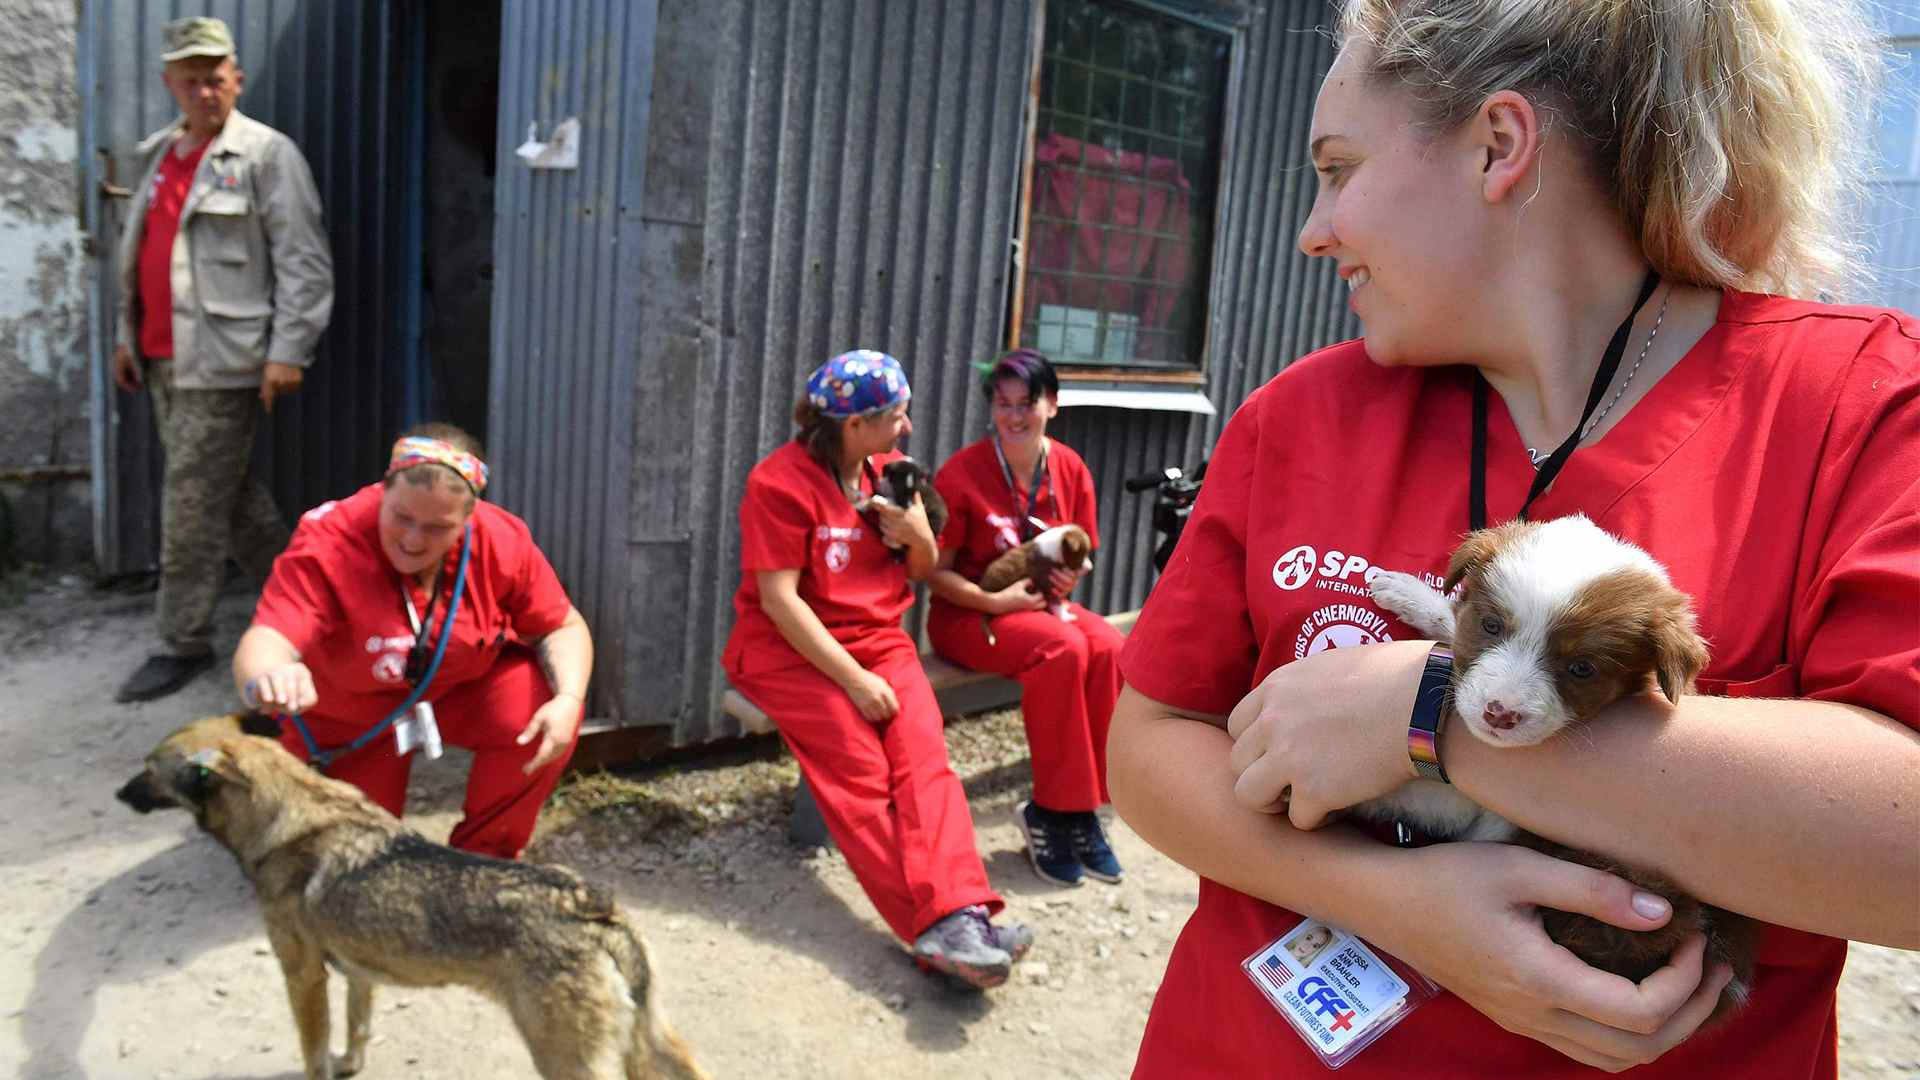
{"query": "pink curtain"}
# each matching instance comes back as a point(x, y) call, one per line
point(1079, 187)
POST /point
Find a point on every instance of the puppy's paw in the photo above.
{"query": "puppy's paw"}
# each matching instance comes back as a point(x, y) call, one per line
point(349, 1063)
point(1419, 604)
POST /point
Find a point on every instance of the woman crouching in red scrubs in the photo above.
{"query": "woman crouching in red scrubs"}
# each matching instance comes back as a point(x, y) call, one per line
point(817, 646)
point(356, 607)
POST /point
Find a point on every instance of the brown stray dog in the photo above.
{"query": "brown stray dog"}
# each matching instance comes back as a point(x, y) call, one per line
point(342, 882)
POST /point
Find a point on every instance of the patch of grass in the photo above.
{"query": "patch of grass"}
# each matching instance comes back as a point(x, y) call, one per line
point(17, 583)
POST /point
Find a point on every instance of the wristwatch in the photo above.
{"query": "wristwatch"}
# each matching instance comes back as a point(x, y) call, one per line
point(1430, 715)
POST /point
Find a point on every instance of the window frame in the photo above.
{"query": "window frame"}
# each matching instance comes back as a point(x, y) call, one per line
point(1224, 18)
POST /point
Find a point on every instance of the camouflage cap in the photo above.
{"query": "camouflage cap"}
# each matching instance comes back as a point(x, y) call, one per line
point(198, 35)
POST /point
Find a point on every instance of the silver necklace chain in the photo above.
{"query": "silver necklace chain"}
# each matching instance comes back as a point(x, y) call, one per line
point(1535, 457)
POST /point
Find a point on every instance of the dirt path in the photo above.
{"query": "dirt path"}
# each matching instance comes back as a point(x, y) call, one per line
point(132, 949)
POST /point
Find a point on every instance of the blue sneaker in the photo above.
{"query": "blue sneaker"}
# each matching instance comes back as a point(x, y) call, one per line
point(1049, 848)
point(963, 945)
point(1089, 843)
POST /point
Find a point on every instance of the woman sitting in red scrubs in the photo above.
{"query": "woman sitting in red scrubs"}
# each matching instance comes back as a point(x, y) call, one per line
point(356, 607)
point(817, 645)
point(1000, 492)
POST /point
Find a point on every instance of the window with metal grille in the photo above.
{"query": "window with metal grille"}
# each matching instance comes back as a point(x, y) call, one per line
point(1122, 176)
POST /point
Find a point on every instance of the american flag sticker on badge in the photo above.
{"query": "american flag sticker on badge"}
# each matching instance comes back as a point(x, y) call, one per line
point(1337, 993)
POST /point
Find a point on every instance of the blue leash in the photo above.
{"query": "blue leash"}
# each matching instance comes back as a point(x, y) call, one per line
point(319, 758)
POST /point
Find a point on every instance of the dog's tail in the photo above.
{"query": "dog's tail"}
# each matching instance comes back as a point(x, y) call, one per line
point(657, 1051)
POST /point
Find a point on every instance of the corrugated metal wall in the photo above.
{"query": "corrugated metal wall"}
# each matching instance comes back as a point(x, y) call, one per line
point(566, 325)
point(323, 74)
point(1892, 231)
point(861, 189)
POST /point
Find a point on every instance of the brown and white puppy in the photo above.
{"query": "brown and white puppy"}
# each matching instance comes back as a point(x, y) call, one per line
point(1063, 547)
point(1553, 622)
point(343, 884)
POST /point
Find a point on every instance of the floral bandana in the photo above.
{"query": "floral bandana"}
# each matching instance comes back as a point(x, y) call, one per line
point(419, 450)
point(857, 383)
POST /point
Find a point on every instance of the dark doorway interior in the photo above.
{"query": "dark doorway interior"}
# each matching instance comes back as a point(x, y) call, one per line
point(462, 58)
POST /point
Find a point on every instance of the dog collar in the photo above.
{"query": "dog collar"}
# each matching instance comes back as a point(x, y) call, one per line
point(1430, 715)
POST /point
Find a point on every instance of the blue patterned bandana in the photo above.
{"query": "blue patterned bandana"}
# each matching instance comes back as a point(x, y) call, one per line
point(857, 383)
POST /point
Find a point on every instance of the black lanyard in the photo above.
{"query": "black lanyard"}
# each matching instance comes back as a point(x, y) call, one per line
point(1025, 510)
point(419, 655)
point(873, 481)
point(1550, 468)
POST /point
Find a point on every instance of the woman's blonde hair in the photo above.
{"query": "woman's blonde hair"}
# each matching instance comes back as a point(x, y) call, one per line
point(1733, 134)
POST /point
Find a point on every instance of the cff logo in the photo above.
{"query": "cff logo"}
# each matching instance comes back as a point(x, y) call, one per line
point(1326, 1001)
point(1295, 568)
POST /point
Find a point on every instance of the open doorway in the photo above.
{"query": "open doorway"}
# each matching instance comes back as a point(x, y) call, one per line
point(462, 106)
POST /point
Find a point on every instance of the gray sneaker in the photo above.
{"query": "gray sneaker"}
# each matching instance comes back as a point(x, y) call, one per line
point(1016, 938)
point(963, 945)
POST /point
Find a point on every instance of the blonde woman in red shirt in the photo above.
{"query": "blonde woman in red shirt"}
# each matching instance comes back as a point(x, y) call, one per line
point(1602, 226)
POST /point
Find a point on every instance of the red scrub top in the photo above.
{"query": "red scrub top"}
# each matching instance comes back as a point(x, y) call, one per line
point(333, 594)
point(1776, 473)
point(982, 515)
point(795, 517)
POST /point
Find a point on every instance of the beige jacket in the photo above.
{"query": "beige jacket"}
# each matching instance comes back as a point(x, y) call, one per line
point(252, 275)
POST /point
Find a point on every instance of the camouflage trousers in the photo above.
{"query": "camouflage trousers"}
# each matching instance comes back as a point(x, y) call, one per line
point(211, 505)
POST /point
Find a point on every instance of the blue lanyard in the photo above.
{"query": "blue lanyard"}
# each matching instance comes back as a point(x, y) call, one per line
point(1040, 469)
point(319, 758)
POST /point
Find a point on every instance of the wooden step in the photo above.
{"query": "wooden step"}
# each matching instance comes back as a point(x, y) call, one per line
point(959, 690)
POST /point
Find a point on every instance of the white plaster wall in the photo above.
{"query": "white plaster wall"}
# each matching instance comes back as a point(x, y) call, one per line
point(43, 283)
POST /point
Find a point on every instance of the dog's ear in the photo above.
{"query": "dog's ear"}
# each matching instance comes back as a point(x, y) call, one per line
point(1473, 553)
point(202, 773)
point(261, 725)
point(1679, 655)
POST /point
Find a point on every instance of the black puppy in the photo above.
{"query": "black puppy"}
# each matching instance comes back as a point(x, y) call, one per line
point(901, 480)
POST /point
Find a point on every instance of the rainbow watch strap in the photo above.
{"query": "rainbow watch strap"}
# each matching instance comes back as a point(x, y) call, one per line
point(1430, 714)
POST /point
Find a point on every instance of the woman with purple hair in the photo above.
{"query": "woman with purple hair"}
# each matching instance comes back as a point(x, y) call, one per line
point(1002, 491)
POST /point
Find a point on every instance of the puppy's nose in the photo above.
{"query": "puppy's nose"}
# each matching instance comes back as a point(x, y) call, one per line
point(1499, 717)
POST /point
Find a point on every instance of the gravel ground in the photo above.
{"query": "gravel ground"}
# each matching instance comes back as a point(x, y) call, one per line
point(132, 947)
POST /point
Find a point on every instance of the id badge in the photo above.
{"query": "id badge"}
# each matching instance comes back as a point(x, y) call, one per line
point(1337, 992)
point(418, 729)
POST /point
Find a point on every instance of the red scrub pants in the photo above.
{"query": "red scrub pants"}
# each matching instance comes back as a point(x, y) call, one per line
point(1069, 676)
point(484, 716)
point(890, 800)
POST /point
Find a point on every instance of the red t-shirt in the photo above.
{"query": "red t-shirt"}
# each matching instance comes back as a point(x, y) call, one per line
point(1776, 473)
point(333, 594)
point(171, 182)
point(983, 516)
point(795, 517)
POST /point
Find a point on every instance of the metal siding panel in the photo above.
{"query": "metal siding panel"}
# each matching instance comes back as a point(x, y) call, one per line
point(856, 192)
point(565, 325)
point(861, 155)
point(1891, 227)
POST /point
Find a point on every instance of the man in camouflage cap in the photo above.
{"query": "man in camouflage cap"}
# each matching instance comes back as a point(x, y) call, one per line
point(226, 283)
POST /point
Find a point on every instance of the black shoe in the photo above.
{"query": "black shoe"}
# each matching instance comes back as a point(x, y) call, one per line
point(162, 675)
